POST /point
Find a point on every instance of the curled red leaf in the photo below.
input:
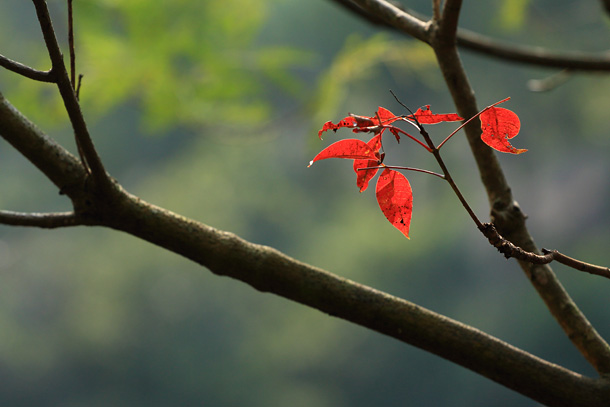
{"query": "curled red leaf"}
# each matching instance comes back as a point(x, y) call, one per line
point(348, 148)
point(425, 116)
point(395, 199)
point(362, 123)
point(499, 125)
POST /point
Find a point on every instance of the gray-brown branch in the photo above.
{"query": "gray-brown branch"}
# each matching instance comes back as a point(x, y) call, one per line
point(269, 270)
point(377, 13)
point(506, 215)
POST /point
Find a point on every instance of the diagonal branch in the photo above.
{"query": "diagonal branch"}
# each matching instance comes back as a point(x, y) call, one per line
point(62, 168)
point(84, 143)
point(507, 216)
point(269, 270)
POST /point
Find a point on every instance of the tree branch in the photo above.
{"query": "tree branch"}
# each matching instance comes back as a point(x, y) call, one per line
point(41, 220)
point(538, 56)
point(469, 40)
point(24, 70)
point(61, 167)
point(91, 159)
point(388, 14)
point(507, 216)
point(269, 270)
point(508, 249)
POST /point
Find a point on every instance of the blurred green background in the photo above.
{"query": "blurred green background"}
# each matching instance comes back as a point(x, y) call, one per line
point(211, 109)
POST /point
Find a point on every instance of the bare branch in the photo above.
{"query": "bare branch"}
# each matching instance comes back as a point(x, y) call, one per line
point(508, 249)
point(577, 264)
point(41, 220)
point(448, 24)
point(550, 82)
point(71, 47)
point(61, 167)
point(24, 70)
point(505, 213)
point(90, 157)
point(385, 13)
point(576, 61)
point(268, 270)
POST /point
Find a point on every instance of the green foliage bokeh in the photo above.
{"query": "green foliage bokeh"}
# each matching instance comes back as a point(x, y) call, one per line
point(233, 92)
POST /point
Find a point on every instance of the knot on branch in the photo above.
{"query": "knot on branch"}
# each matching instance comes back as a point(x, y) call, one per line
point(508, 249)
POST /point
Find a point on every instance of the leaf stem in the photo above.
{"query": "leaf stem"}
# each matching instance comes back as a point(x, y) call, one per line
point(411, 137)
point(395, 167)
point(447, 176)
point(469, 120)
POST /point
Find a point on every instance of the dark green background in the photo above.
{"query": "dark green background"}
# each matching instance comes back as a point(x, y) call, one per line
point(211, 109)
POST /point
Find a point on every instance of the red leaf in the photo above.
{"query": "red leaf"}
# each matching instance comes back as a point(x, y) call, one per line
point(425, 116)
point(395, 199)
point(349, 148)
point(363, 177)
point(362, 123)
point(499, 125)
point(385, 116)
point(346, 122)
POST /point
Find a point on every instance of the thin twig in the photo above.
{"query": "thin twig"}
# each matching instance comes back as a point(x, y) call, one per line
point(89, 155)
point(28, 72)
point(395, 167)
point(468, 121)
point(71, 46)
point(42, 220)
point(410, 136)
point(550, 82)
point(80, 80)
point(577, 264)
point(508, 249)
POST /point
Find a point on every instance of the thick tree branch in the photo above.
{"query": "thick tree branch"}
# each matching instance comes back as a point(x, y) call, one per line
point(61, 167)
point(268, 270)
point(103, 202)
point(388, 14)
point(469, 40)
point(506, 215)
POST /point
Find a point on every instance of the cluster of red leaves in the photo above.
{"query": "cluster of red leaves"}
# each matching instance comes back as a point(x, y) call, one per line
point(393, 190)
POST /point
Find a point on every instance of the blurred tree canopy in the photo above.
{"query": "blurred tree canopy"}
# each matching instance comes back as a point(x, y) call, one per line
point(233, 92)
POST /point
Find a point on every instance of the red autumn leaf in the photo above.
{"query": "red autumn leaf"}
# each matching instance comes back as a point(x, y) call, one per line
point(363, 177)
point(425, 116)
point(349, 148)
point(385, 116)
point(362, 123)
point(499, 125)
point(349, 121)
point(395, 199)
